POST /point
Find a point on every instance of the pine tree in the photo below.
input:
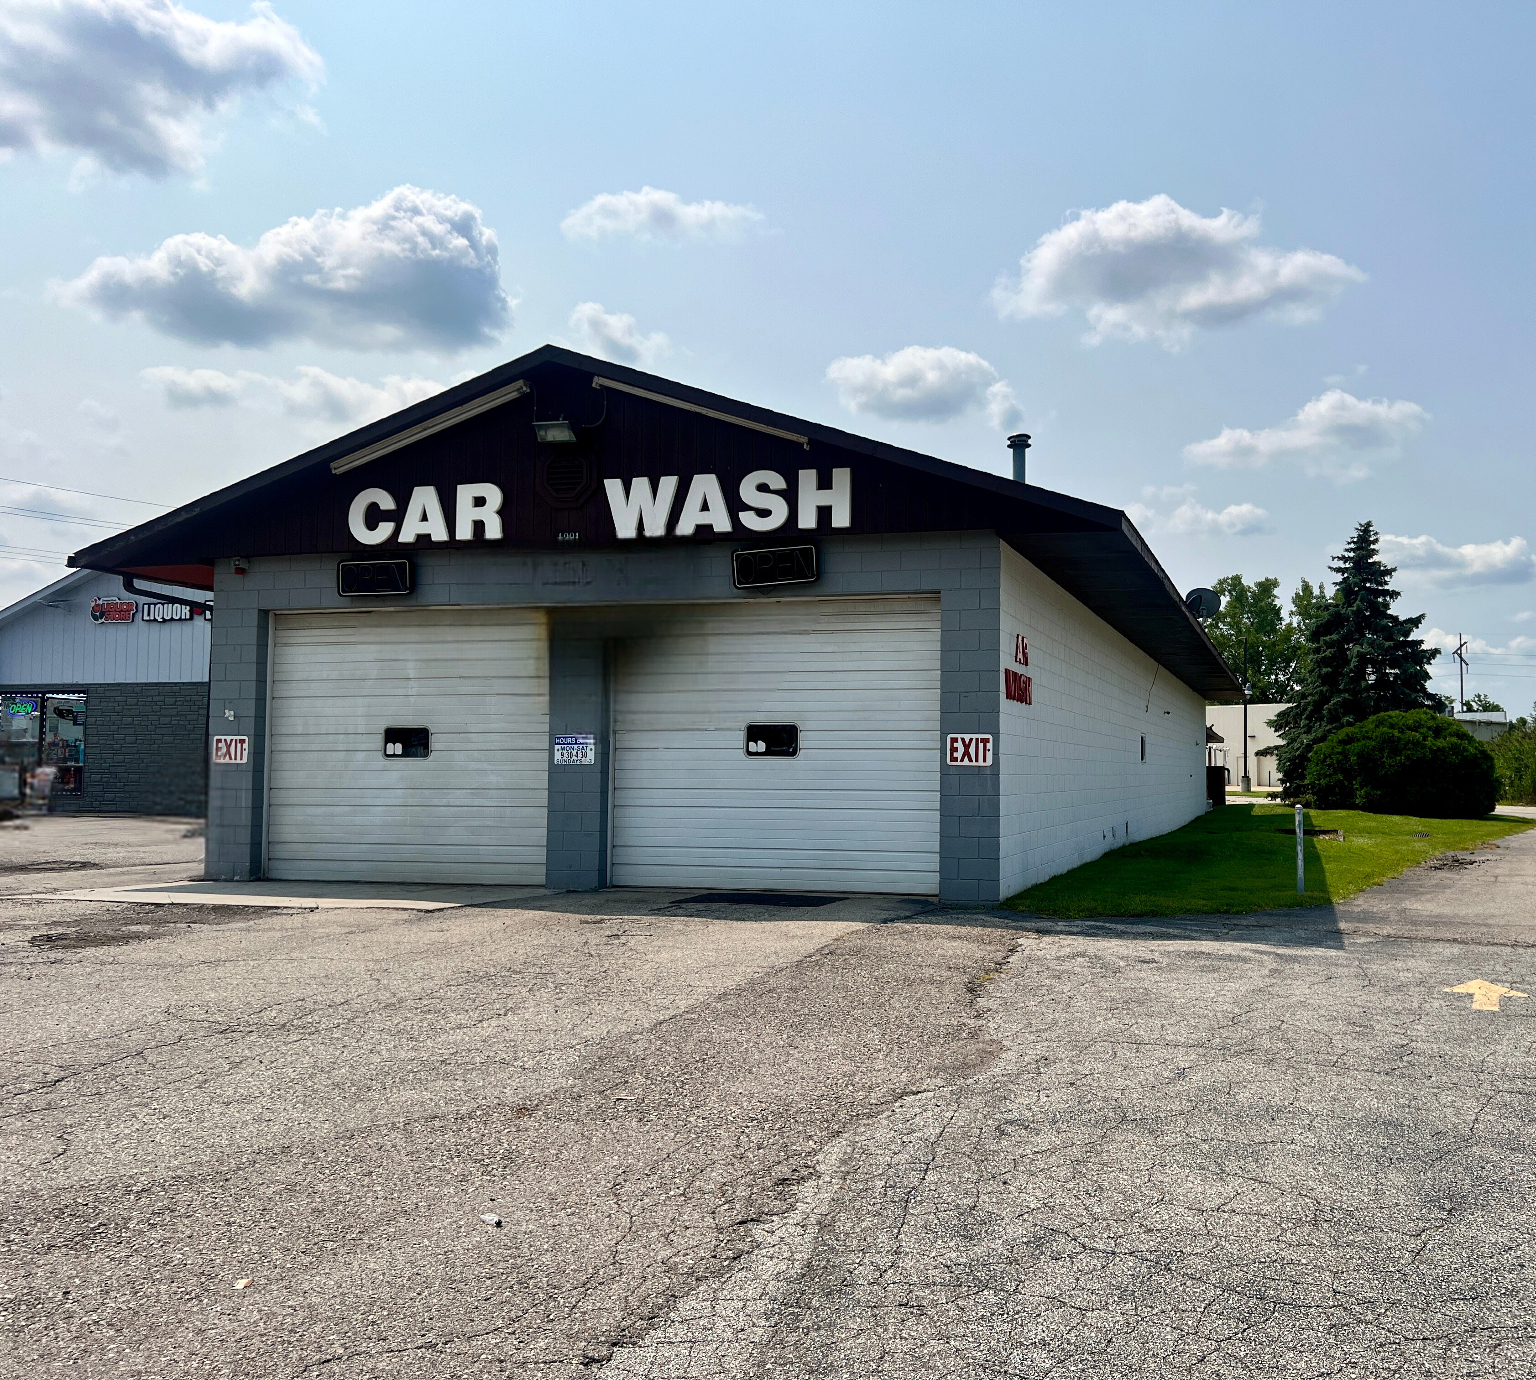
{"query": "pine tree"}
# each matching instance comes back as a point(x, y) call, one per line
point(1362, 659)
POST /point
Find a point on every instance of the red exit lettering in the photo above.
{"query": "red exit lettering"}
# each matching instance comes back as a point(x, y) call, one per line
point(231, 752)
point(969, 750)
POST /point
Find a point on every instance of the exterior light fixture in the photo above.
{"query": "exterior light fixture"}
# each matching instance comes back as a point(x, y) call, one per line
point(560, 433)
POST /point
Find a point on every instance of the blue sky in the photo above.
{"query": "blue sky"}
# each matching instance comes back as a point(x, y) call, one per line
point(1278, 273)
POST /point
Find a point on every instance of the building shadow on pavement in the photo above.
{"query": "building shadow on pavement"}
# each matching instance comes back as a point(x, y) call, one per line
point(1305, 927)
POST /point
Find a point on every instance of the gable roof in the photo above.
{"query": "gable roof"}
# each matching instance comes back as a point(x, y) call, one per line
point(1092, 551)
point(47, 594)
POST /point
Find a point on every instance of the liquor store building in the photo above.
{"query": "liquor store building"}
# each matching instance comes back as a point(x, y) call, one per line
point(109, 688)
point(573, 625)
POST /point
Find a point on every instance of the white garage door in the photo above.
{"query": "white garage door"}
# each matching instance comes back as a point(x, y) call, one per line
point(857, 810)
point(472, 811)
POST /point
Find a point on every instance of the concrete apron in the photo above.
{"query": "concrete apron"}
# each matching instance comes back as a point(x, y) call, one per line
point(430, 897)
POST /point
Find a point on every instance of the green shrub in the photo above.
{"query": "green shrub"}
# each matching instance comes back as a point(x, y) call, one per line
point(1414, 763)
point(1514, 754)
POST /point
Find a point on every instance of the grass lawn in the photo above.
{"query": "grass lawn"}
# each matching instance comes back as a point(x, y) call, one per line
point(1242, 857)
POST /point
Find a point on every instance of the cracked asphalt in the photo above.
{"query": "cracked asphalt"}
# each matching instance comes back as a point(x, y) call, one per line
point(867, 1139)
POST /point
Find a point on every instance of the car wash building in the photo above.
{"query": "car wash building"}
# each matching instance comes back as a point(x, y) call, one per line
point(573, 625)
point(108, 688)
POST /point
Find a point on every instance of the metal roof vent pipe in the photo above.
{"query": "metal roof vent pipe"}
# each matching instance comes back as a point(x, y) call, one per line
point(1018, 443)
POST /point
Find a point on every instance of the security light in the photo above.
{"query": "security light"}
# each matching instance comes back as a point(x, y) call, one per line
point(555, 433)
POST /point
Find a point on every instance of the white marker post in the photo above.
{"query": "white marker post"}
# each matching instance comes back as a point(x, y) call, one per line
point(1301, 866)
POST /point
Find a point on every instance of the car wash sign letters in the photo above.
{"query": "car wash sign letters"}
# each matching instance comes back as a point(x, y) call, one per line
point(640, 508)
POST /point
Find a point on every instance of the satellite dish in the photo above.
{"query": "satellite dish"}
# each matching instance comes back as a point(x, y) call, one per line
point(1203, 603)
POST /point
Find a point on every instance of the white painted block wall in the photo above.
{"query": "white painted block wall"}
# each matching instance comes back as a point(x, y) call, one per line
point(1073, 783)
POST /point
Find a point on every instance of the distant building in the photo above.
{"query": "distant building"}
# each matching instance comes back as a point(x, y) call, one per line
point(1485, 724)
point(1227, 721)
point(111, 691)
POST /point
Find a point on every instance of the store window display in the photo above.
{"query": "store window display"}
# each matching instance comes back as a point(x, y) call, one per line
point(64, 741)
point(42, 746)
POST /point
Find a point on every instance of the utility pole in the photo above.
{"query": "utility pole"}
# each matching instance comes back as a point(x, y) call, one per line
point(1461, 670)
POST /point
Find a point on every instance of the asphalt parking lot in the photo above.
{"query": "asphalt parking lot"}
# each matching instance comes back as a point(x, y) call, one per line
point(863, 1139)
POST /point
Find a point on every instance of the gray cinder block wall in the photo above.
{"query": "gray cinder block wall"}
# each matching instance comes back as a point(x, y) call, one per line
point(961, 567)
point(146, 747)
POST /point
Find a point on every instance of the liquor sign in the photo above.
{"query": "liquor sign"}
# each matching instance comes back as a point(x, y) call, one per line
point(166, 613)
point(231, 752)
point(113, 610)
point(968, 750)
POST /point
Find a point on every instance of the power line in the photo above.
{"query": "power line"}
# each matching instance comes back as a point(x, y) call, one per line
point(84, 493)
point(33, 553)
point(62, 517)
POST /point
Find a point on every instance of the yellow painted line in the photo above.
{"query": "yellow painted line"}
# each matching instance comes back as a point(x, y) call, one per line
point(1485, 995)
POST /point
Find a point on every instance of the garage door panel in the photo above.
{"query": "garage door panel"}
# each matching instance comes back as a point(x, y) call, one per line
point(365, 825)
point(748, 876)
point(857, 810)
point(361, 851)
point(373, 869)
point(475, 810)
point(366, 760)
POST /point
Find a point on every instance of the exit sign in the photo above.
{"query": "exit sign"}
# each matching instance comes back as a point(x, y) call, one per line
point(231, 752)
point(968, 749)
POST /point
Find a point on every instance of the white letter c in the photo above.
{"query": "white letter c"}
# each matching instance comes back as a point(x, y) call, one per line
point(357, 517)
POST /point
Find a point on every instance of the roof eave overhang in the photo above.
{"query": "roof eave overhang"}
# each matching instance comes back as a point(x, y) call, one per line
point(1160, 611)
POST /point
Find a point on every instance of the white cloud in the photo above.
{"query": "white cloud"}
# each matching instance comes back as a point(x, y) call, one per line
point(1153, 269)
point(106, 426)
point(1524, 616)
point(1337, 435)
point(1235, 520)
point(1476, 646)
point(195, 387)
point(99, 415)
point(20, 446)
point(1193, 519)
point(1003, 410)
point(413, 270)
point(314, 395)
point(653, 214)
point(923, 384)
point(130, 83)
point(1430, 562)
point(615, 336)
